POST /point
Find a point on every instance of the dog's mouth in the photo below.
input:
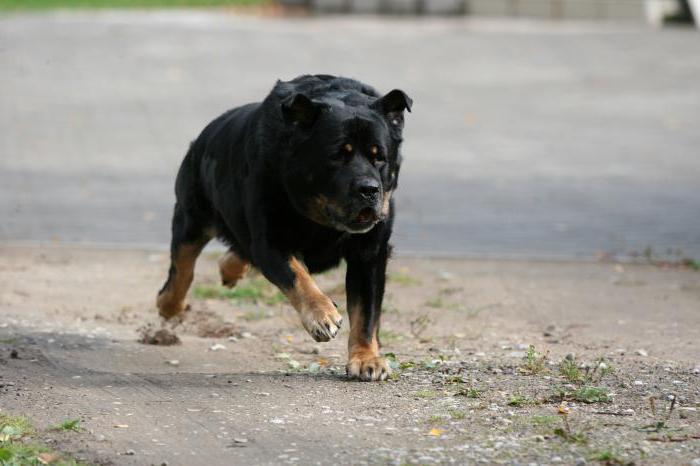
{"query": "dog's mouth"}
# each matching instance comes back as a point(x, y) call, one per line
point(365, 216)
point(335, 216)
point(365, 219)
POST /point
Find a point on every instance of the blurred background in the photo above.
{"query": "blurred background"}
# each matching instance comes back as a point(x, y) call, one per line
point(553, 129)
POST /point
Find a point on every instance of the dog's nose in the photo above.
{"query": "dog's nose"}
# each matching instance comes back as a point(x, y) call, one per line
point(368, 188)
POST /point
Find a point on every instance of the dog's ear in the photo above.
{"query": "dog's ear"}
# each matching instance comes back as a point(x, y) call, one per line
point(392, 105)
point(300, 110)
point(394, 101)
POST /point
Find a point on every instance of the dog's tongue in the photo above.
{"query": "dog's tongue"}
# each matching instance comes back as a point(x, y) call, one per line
point(366, 215)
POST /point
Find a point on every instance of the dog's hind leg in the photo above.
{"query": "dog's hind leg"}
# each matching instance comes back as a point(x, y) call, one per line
point(188, 240)
point(232, 268)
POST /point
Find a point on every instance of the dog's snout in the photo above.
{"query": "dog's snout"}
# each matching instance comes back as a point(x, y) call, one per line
point(368, 188)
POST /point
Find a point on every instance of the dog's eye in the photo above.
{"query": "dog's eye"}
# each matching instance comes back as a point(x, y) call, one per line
point(347, 148)
point(376, 154)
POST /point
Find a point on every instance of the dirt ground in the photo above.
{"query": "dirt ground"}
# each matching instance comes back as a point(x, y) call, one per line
point(614, 375)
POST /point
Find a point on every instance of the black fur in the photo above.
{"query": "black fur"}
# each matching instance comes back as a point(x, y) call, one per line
point(254, 175)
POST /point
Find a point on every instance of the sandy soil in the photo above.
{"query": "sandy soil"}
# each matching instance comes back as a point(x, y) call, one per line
point(246, 385)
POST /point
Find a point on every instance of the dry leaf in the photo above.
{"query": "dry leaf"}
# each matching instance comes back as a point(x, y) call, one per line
point(435, 432)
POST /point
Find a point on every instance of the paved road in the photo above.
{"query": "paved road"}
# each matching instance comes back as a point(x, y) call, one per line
point(528, 139)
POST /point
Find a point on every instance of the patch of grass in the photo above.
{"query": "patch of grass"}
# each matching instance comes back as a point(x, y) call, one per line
point(69, 425)
point(544, 420)
point(520, 400)
point(609, 458)
point(49, 4)
point(255, 290)
point(14, 427)
point(403, 278)
point(691, 263)
point(428, 394)
point(469, 392)
point(583, 394)
point(592, 395)
point(568, 368)
point(534, 362)
point(18, 449)
point(31, 454)
point(457, 414)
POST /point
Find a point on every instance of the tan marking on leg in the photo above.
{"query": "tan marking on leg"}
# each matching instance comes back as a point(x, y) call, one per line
point(171, 300)
point(387, 203)
point(232, 269)
point(364, 361)
point(317, 311)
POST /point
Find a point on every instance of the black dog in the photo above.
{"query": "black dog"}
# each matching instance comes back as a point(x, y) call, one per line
point(293, 185)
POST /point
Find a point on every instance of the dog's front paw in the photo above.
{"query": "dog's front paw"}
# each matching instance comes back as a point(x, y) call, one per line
point(321, 319)
point(367, 366)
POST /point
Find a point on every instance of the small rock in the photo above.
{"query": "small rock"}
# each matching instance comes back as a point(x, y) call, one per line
point(521, 346)
point(696, 370)
point(217, 347)
point(479, 354)
point(580, 462)
point(638, 383)
point(570, 356)
point(263, 393)
point(316, 350)
point(232, 338)
point(246, 335)
point(556, 459)
point(642, 352)
point(173, 362)
point(628, 412)
point(695, 462)
point(130, 452)
point(14, 354)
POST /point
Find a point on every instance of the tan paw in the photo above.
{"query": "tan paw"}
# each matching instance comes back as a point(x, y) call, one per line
point(367, 367)
point(232, 268)
point(169, 308)
point(321, 319)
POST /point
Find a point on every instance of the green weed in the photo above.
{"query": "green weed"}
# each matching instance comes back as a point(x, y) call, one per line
point(534, 362)
point(69, 425)
point(428, 394)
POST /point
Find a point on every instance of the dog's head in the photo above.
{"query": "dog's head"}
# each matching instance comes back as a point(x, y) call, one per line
point(344, 161)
